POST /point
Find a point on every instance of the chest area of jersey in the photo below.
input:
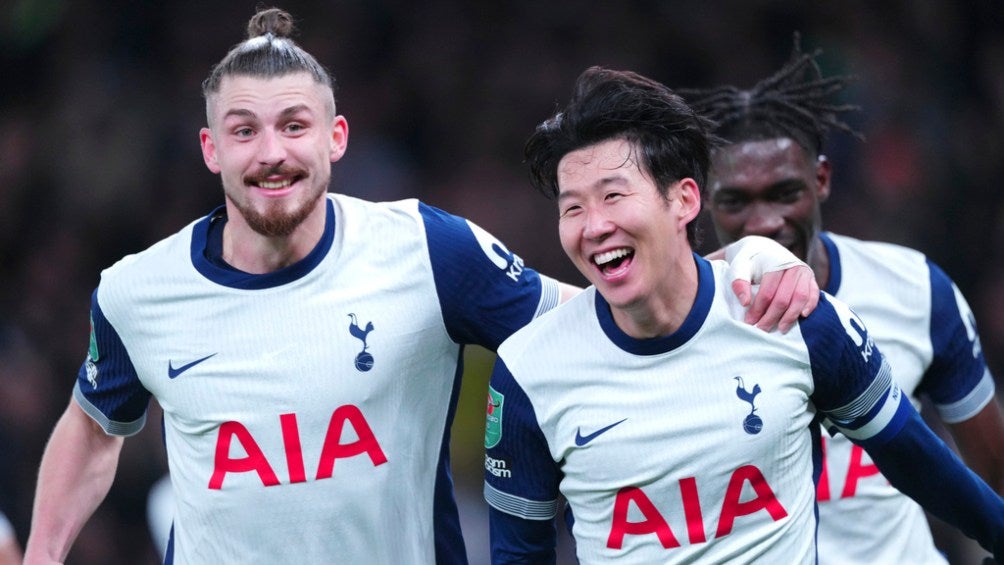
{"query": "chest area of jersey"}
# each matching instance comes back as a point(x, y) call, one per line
point(696, 413)
point(291, 348)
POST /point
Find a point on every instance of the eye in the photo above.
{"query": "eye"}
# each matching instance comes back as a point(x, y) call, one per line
point(612, 196)
point(729, 204)
point(788, 195)
point(570, 210)
point(295, 128)
point(244, 132)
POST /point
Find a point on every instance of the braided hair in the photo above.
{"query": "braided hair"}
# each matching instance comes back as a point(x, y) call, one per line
point(790, 103)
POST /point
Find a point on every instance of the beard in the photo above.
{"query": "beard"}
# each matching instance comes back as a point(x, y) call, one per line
point(274, 220)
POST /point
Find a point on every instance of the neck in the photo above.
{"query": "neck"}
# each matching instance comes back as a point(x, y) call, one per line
point(255, 253)
point(819, 261)
point(664, 310)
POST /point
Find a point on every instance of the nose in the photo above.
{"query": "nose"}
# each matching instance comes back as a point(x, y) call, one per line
point(272, 150)
point(597, 224)
point(763, 219)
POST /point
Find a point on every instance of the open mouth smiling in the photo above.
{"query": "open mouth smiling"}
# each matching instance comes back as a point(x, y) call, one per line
point(614, 261)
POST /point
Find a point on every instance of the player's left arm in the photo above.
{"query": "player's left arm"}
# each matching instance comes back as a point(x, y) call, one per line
point(487, 292)
point(921, 466)
point(521, 478)
point(854, 389)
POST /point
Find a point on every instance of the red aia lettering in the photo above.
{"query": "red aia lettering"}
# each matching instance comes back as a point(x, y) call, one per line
point(655, 523)
point(333, 449)
point(856, 470)
point(733, 507)
point(367, 442)
point(255, 461)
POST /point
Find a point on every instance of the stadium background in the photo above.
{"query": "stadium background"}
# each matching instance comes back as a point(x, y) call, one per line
point(100, 109)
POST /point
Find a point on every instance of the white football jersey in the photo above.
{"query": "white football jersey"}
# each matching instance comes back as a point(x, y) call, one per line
point(307, 411)
point(926, 331)
point(698, 447)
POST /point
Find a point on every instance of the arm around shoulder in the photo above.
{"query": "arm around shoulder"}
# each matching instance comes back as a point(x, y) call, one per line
point(76, 472)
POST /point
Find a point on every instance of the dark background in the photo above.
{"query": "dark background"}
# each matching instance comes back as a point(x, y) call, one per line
point(100, 109)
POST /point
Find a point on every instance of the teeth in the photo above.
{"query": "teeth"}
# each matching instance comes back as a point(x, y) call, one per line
point(606, 257)
point(274, 185)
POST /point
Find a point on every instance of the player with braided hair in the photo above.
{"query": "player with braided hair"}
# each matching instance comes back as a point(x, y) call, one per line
point(305, 346)
point(769, 177)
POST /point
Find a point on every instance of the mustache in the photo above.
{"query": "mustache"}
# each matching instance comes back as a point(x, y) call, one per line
point(264, 173)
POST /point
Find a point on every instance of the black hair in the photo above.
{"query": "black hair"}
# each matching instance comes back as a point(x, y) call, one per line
point(672, 141)
point(793, 103)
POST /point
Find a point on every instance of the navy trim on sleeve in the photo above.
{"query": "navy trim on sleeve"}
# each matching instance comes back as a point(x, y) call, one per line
point(958, 365)
point(107, 386)
point(517, 540)
point(485, 291)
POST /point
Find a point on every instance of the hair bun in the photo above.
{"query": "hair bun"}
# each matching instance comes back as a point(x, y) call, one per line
point(272, 20)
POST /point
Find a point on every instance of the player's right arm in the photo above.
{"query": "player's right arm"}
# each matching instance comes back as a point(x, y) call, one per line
point(521, 478)
point(981, 442)
point(77, 470)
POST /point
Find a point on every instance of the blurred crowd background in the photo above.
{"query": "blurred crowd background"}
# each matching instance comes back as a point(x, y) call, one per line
point(100, 108)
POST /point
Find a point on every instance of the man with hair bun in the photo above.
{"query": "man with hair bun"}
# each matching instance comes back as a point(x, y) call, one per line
point(305, 347)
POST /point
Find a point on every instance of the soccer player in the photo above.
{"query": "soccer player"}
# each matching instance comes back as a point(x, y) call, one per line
point(676, 433)
point(769, 179)
point(305, 347)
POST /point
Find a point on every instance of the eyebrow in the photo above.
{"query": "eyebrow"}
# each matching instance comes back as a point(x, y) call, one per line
point(285, 114)
point(601, 184)
point(779, 185)
point(239, 113)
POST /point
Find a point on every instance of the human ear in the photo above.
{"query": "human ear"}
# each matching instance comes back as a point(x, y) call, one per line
point(339, 138)
point(824, 172)
point(209, 150)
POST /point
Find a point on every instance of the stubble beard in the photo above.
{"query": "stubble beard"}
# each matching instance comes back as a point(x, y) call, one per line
point(273, 221)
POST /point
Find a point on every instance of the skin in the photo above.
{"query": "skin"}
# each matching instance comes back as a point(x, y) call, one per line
point(775, 188)
point(607, 205)
point(272, 141)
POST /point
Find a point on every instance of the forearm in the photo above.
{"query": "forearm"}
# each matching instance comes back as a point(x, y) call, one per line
point(921, 466)
point(980, 440)
point(76, 472)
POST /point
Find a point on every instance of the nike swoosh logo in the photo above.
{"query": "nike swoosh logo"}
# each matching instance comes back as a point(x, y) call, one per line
point(581, 440)
point(174, 373)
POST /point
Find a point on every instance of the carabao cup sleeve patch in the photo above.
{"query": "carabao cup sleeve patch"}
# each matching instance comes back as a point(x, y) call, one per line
point(493, 418)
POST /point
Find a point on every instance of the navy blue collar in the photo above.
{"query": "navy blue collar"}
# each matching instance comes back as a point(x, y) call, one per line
point(207, 254)
point(656, 345)
point(833, 282)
